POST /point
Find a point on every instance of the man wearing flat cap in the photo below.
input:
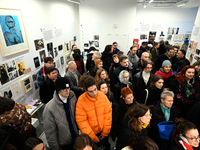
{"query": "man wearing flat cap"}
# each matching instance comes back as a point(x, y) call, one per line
point(59, 117)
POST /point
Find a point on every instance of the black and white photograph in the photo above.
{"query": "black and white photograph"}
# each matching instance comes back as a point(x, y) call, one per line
point(86, 44)
point(7, 93)
point(55, 51)
point(34, 77)
point(50, 50)
point(74, 38)
point(10, 76)
point(143, 36)
point(27, 84)
point(39, 44)
point(169, 37)
point(152, 34)
point(42, 55)
point(91, 43)
point(60, 47)
point(36, 86)
point(62, 60)
point(11, 66)
point(162, 34)
point(3, 74)
point(15, 74)
point(198, 51)
point(177, 30)
point(57, 63)
point(36, 62)
point(171, 30)
point(67, 45)
point(96, 37)
point(96, 43)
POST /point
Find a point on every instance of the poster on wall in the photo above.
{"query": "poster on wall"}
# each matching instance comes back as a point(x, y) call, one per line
point(16, 90)
point(143, 36)
point(55, 51)
point(21, 67)
point(178, 37)
point(194, 46)
point(13, 37)
point(3, 74)
point(36, 62)
point(27, 84)
point(187, 36)
point(60, 47)
point(62, 60)
point(39, 44)
point(172, 30)
point(50, 49)
point(169, 37)
point(13, 75)
point(42, 56)
point(96, 37)
point(64, 48)
point(152, 34)
point(178, 44)
point(7, 93)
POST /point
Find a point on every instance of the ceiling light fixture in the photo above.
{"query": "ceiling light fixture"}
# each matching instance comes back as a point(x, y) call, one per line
point(150, 1)
point(74, 1)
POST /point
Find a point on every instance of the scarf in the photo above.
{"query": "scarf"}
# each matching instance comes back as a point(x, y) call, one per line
point(189, 88)
point(164, 75)
point(143, 126)
point(184, 142)
point(166, 112)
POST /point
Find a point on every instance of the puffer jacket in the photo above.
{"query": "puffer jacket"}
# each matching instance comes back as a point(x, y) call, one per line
point(94, 115)
point(55, 121)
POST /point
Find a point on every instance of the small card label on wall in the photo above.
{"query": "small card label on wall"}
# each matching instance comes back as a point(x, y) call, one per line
point(27, 70)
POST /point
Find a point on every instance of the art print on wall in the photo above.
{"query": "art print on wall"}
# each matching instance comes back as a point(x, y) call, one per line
point(194, 46)
point(62, 60)
point(187, 36)
point(39, 44)
point(3, 74)
point(36, 62)
point(13, 38)
point(21, 68)
point(169, 37)
point(27, 84)
point(42, 56)
point(178, 37)
point(7, 93)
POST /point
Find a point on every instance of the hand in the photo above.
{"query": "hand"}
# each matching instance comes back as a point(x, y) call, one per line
point(97, 141)
point(101, 137)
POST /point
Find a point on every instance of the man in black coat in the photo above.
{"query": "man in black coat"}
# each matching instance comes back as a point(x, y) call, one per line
point(142, 49)
point(138, 66)
point(47, 88)
point(166, 56)
point(107, 57)
point(180, 62)
point(162, 111)
point(123, 66)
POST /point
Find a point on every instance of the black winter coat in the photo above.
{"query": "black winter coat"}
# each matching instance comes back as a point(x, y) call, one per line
point(140, 51)
point(115, 75)
point(112, 68)
point(139, 84)
point(162, 49)
point(127, 134)
point(180, 64)
point(137, 67)
point(89, 62)
point(118, 115)
point(160, 60)
point(107, 60)
point(153, 96)
point(157, 117)
point(47, 89)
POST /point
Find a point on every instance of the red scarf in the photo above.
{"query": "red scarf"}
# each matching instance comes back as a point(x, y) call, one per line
point(187, 146)
point(43, 71)
point(164, 75)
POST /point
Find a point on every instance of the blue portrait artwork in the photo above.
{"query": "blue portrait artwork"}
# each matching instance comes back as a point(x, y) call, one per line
point(11, 29)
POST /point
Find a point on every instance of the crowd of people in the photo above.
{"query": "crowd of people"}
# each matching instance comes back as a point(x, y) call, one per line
point(116, 95)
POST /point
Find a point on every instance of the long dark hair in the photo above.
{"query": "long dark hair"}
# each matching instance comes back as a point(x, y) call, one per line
point(133, 113)
point(154, 80)
point(6, 104)
point(99, 86)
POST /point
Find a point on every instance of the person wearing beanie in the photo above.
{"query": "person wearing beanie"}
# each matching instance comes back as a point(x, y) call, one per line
point(180, 62)
point(47, 88)
point(125, 102)
point(98, 64)
point(167, 73)
point(59, 117)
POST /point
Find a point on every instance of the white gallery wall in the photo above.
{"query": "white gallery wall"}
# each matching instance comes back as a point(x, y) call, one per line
point(61, 18)
point(110, 19)
point(193, 52)
point(176, 17)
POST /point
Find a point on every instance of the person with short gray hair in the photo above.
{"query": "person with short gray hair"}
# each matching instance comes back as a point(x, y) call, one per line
point(162, 111)
point(96, 55)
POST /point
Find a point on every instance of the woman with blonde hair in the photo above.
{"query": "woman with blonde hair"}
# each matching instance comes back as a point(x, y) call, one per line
point(102, 75)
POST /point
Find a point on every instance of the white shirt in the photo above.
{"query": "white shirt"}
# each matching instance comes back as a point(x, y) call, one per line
point(145, 76)
point(63, 99)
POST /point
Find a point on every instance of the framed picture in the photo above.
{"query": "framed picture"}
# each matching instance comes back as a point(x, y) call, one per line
point(178, 44)
point(194, 46)
point(178, 37)
point(187, 36)
point(67, 57)
point(27, 84)
point(70, 44)
point(36, 62)
point(13, 38)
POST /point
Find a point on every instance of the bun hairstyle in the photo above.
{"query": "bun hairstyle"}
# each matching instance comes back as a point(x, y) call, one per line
point(182, 126)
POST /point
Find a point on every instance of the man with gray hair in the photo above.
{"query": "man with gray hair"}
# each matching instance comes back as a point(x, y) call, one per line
point(162, 111)
point(96, 55)
point(73, 76)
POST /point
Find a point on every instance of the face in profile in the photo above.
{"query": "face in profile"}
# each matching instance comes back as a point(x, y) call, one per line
point(100, 65)
point(146, 118)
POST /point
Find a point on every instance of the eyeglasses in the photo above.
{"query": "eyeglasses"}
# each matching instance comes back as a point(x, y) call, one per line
point(194, 139)
point(126, 77)
point(148, 115)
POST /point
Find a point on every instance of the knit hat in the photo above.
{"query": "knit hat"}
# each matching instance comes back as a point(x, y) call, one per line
point(166, 63)
point(184, 52)
point(61, 83)
point(97, 61)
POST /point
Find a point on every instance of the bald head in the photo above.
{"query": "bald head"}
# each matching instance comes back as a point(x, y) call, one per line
point(145, 56)
point(72, 66)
